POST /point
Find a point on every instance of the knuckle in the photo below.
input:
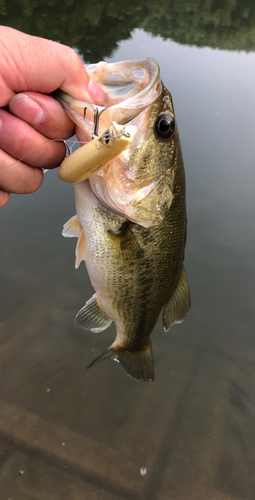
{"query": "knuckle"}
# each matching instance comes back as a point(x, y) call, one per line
point(54, 153)
point(73, 61)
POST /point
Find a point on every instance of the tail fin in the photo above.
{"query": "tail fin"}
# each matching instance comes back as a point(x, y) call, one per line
point(138, 364)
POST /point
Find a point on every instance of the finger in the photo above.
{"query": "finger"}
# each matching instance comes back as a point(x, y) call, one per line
point(22, 142)
point(29, 62)
point(44, 113)
point(4, 197)
point(17, 177)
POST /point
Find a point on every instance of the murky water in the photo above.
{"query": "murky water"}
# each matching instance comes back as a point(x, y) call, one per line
point(68, 433)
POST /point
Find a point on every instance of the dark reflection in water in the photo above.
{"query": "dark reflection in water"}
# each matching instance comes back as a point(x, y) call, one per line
point(80, 434)
point(96, 27)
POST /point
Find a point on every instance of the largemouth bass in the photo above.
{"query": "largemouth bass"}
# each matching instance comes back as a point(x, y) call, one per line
point(131, 215)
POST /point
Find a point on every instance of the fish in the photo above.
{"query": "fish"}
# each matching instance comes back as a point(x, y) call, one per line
point(131, 220)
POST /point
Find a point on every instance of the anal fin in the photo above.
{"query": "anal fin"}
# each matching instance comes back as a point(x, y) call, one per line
point(178, 305)
point(92, 317)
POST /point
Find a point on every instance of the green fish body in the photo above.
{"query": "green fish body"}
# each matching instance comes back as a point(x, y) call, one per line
point(131, 227)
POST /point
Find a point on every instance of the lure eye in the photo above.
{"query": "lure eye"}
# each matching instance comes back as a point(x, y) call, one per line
point(164, 126)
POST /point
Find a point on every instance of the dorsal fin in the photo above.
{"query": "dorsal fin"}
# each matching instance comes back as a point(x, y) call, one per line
point(92, 317)
point(71, 228)
point(178, 305)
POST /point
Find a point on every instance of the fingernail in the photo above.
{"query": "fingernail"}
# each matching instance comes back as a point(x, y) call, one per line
point(27, 109)
point(96, 93)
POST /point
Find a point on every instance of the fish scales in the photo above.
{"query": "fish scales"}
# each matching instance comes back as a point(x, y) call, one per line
point(135, 262)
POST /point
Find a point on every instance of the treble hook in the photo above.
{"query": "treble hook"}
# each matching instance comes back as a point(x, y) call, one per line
point(96, 121)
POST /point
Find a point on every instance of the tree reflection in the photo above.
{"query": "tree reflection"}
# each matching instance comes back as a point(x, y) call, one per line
point(96, 27)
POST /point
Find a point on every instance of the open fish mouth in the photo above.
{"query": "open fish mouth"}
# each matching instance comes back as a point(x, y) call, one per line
point(130, 87)
point(134, 184)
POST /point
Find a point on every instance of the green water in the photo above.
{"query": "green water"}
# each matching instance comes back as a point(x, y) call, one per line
point(80, 434)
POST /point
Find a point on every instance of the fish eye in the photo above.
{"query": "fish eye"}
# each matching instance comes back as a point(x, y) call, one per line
point(164, 126)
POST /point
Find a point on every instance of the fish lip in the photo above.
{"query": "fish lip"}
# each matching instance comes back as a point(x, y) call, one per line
point(123, 111)
point(131, 106)
point(148, 66)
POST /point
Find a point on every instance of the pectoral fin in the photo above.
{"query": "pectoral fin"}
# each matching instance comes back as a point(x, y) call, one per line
point(71, 228)
point(92, 317)
point(125, 247)
point(138, 364)
point(178, 305)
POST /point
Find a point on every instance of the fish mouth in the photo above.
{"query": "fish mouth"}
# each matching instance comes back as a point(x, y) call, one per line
point(130, 88)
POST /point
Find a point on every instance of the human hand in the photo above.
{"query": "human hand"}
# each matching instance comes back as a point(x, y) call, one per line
point(32, 67)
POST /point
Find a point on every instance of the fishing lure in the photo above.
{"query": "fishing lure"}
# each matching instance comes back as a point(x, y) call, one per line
point(94, 155)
